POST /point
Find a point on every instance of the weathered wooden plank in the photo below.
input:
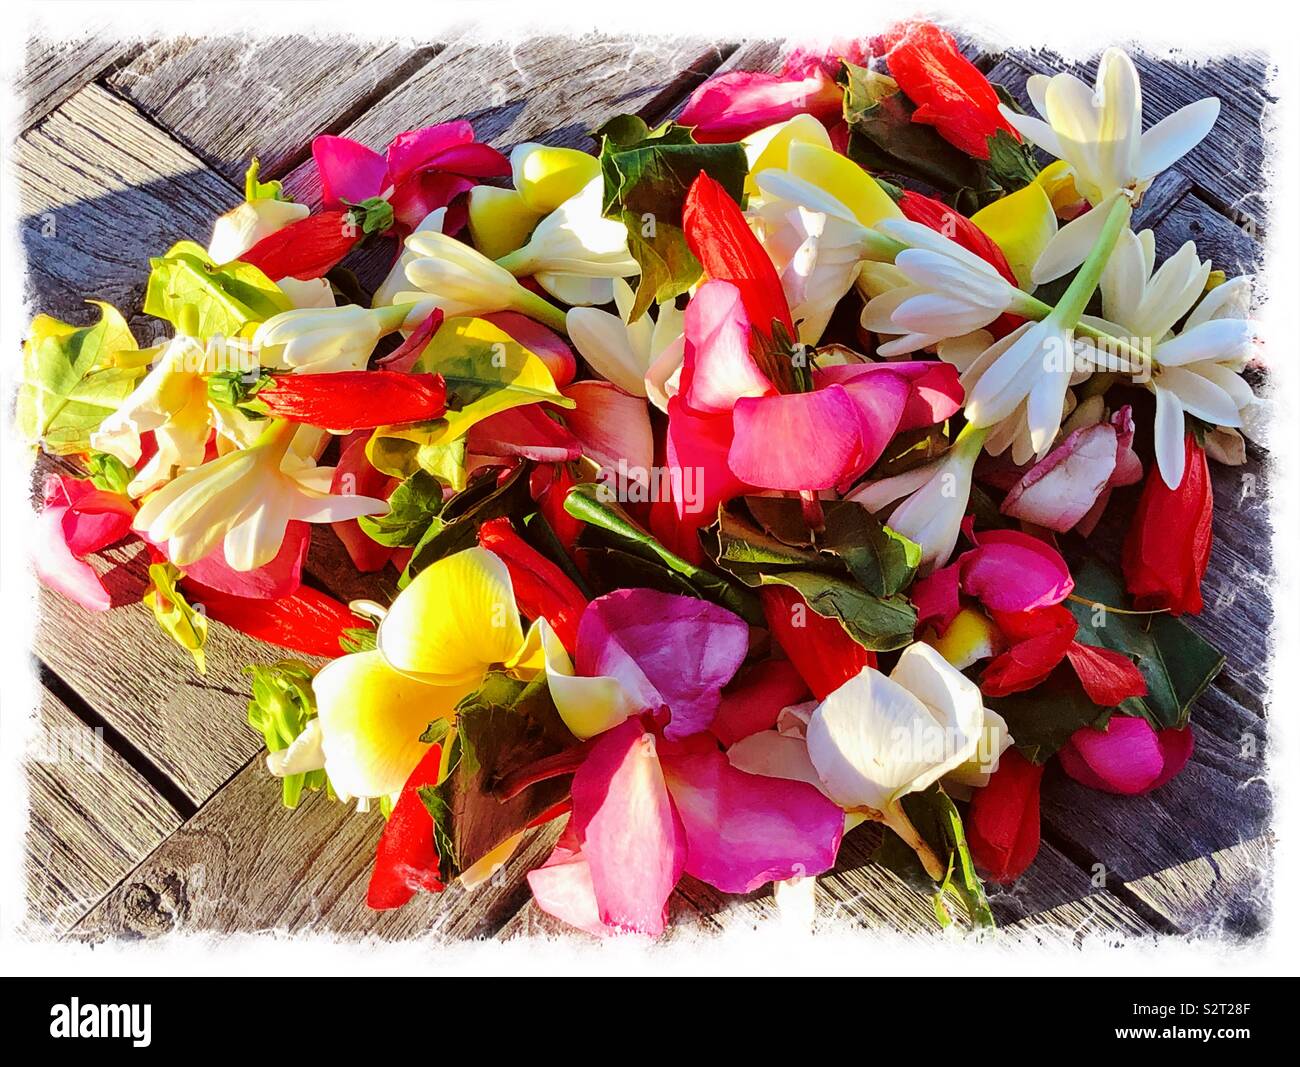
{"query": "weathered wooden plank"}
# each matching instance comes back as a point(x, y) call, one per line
point(1229, 163)
point(91, 818)
point(230, 98)
point(553, 89)
point(245, 863)
point(101, 190)
point(1230, 244)
point(55, 70)
point(1228, 892)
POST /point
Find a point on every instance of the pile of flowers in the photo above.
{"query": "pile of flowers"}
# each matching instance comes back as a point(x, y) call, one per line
point(739, 481)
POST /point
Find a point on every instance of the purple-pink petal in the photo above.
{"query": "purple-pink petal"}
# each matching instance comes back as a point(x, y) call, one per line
point(562, 886)
point(734, 105)
point(631, 836)
point(797, 441)
point(745, 830)
point(934, 389)
point(412, 151)
point(936, 597)
point(1059, 491)
point(668, 651)
point(717, 367)
point(1012, 571)
point(1126, 757)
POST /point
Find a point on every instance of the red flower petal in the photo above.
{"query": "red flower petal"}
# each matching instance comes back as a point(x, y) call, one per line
point(308, 248)
point(406, 859)
point(1003, 824)
point(1109, 678)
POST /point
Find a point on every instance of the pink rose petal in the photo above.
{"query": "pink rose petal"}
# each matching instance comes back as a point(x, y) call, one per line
point(936, 597)
point(614, 428)
point(745, 830)
point(934, 389)
point(631, 837)
point(717, 367)
point(798, 441)
point(414, 150)
point(348, 170)
point(668, 651)
point(1012, 571)
point(525, 431)
point(697, 453)
point(733, 105)
point(1061, 489)
point(562, 886)
point(1125, 757)
point(59, 569)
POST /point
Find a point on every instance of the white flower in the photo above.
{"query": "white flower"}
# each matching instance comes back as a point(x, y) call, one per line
point(949, 291)
point(936, 497)
point(244, 500)
point(1197, 370)
point(242, 227)
point(313, 340)
point(577, 239)
point(878, 738)
point(448, 274)
point(639, 357)
point(172, 401)
point(1098, 132)
point(396, 280)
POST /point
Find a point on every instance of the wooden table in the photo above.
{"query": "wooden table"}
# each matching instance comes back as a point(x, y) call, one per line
point(178, 825)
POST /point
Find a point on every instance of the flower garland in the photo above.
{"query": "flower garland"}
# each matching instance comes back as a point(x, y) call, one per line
point(739, 478)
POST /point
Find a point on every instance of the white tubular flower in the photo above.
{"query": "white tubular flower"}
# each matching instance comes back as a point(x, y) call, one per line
point(307, 293)
point(936, 497)
point(1098, 132)
point(576, 239)
point(878, 738)
point(172, 401)
point(244, 500)
point(1196, 371)
point(577, 290)
point(949, 291)
point(242, 227)
point(626, 352)
point(448, 274)
point(314, 340)
point(396, 281)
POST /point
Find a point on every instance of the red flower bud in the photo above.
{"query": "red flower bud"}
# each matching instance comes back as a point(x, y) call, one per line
point(1002, 826)
point(308, 248)
point(1168, 543)
point(355, 400)
point(821, 650)
point(948, 90)
point(542, 589)
point(407, 856)
point(307, 621)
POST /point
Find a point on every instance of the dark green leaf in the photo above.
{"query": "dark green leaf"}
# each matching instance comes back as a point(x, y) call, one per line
point(414, 505)
point(108, 472)
point(878, 623)
point(1042, 719)
point(883, 562)
point(1176, 662)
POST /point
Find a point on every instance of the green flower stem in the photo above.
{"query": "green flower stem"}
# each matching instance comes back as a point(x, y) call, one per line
point(393, 316)
point(877, 248)
point(543, 311)
point(276, 437)
point(1072, 305)
point(971, 439)
point(519, 262)
point(896, 819)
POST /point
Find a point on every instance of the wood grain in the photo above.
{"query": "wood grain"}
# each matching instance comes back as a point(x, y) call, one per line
point(230, 98)
point(100, 189)
point(54, 70)
point(247, 864)
point(1228, 893)
point(91, 818)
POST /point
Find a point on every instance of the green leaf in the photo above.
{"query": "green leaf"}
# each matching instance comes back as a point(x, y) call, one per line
point(456, 527)
point(878, 623)
point(504, 727)
point(202, 299)
point(412, 507)
point(586, 501)
point(187, 627)
point(937, 820)
point(1177, 663)
point(74, 377)
point(883, 561)
point(282, 705)
point(256, 189)
point(1042, 719)
point(647, 174)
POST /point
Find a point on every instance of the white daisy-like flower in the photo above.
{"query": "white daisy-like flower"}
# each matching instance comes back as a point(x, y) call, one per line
point(1196, 370)
point(1098, 132)
point(641, 357)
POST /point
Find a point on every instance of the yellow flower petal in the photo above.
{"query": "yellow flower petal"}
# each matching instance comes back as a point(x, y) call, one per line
point(530, 660)
point(970, 637)
point(371, 719)
point(1020, 224)
point(1057, 181)
point(499, 220)
point(770, 147)
point(480, 872)
point(588, 706)
point(843, 179)
point(546, 177)
point(454, 621)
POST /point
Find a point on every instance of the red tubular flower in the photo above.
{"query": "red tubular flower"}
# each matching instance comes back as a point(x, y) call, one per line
point(542, 589)
point(822, 652)
point(1168, 544)
point(1003, 824)
point(948, 90)
point(355, 400)
point(308, 248)
point(308, 621)
point(720, 238)
point(549, 484)
point(406, 859)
